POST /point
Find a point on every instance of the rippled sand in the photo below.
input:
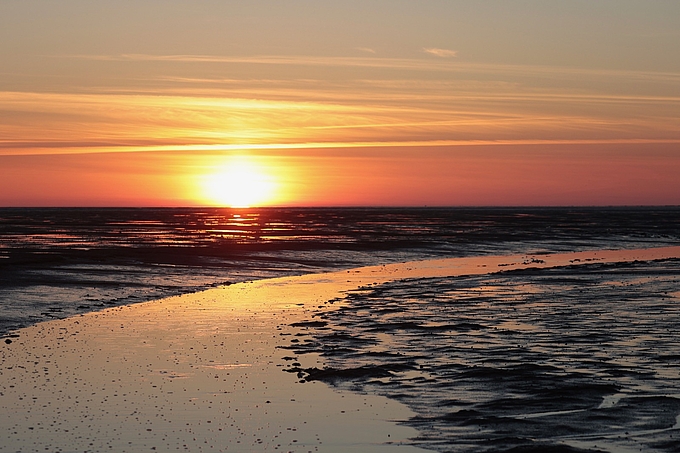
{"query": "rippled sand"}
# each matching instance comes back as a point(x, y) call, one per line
point(205, 372)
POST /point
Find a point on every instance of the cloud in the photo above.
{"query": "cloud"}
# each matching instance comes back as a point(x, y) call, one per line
point(366, 49)
point(443, 53)
point(394, 63)
point(48, 148)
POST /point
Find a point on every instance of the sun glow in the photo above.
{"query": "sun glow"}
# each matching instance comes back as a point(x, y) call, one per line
point(240, 183)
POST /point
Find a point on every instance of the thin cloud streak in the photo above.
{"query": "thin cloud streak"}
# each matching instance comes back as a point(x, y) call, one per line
point(442, 53)
point(389, 63)
point(54, 148)
point(286, 89)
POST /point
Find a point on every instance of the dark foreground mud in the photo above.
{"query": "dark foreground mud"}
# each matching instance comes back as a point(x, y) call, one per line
point(578, 358)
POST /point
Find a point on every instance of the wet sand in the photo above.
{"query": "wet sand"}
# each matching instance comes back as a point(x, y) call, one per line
point(204, 372)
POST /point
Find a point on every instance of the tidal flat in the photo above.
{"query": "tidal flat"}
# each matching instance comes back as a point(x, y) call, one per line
point(569, 352)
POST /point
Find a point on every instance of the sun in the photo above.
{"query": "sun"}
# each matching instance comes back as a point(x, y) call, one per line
point(240, 183)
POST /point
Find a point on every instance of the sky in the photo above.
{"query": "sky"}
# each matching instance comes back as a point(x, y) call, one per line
point(328, 103)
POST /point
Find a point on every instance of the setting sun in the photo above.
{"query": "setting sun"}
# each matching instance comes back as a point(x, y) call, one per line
point(240, 183)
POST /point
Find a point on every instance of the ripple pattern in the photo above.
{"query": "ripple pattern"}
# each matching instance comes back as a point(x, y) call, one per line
point(578, 358)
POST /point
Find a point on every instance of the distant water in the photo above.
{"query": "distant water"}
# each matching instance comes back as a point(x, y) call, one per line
point(60, 262)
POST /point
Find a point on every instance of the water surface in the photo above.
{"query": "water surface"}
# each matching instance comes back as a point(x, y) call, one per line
point(58, 262)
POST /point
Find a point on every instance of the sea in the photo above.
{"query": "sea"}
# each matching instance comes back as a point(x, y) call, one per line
point(569, 359)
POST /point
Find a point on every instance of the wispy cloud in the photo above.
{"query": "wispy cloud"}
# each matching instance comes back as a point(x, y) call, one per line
point(425, 100)
point(294, 60)
point(444, 64)
point(48, 148)
point(366, 49)
point(443, 53)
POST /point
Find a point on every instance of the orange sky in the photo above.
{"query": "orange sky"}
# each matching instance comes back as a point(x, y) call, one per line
point(364, 103)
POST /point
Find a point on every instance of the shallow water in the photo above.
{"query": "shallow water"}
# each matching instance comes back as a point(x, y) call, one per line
point(574, 358)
